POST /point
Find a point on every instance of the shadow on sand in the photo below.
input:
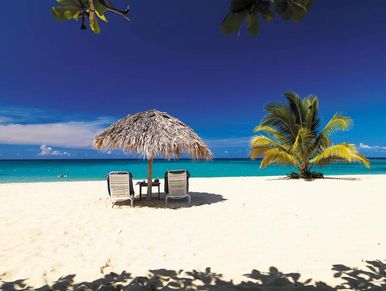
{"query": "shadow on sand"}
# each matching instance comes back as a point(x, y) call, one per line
point(343, 178)
point(373, 278)
point(198, 199)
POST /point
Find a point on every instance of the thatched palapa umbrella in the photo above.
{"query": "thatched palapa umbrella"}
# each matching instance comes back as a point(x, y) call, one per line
point(153, 134)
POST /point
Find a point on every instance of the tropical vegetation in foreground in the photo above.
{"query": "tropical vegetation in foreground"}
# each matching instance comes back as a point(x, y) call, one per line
point(240, 12)
point(290, 135)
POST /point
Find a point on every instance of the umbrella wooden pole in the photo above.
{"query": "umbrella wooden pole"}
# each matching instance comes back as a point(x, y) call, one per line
point(149, 177)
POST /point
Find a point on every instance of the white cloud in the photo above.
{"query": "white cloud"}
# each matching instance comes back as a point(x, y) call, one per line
point(34, 126)
point(65, 134)
point(49, 151)
point(364, 146)
point(377, 148)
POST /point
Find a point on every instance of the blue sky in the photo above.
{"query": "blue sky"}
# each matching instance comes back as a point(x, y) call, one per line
point(59, 85)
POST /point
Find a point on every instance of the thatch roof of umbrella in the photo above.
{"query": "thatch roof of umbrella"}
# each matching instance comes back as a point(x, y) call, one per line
point(153, 134)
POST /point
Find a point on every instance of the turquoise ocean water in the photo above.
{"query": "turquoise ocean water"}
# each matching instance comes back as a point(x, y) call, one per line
point(77, 170)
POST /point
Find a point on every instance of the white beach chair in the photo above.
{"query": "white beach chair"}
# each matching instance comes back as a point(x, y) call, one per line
point(120, 187)
point(177, 185)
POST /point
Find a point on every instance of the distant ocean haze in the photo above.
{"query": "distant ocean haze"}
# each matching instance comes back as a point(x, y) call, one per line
point(84, 170)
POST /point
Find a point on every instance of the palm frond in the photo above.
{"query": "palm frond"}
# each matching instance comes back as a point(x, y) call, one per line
point(266, 128)
point(279, 136)
point(264, 141)
point(258, 152)
point(337, 122)
point(297, 107)
point(277, 156)
point(321, 143)
point(281, 118)
point(302, 144)
point(312, 120)
point(261, 144)
point(340, 152)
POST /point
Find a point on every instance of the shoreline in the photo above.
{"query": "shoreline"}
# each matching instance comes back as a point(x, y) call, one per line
point(198, 177)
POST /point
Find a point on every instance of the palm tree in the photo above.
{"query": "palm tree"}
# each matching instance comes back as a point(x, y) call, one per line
point(291, 136)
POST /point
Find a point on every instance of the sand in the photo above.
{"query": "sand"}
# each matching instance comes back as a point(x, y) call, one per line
point(235, 225)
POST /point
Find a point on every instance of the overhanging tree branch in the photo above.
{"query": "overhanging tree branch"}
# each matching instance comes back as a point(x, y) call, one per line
point(122, 13)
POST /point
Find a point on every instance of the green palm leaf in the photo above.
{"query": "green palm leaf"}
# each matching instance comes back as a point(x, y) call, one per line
point(340, 152)
point(337, 122)
point(261, 144)
point(297, 107)
point(277, 156)
point(258, 152)
point(264, 141)
point(302, 144)
point(321, 143)
point(312, 120)
point(282, 119)
point(279, 136)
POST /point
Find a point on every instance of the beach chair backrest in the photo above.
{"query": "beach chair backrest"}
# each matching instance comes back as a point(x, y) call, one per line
point(177, 183)
point(119, 184)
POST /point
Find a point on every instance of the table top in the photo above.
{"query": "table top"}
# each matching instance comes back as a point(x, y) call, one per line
point(144, 183)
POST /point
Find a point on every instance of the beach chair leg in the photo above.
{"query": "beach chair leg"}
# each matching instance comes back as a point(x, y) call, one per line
point(132, 202)
point(109, 201)
point(189, 199)
point(167, 200)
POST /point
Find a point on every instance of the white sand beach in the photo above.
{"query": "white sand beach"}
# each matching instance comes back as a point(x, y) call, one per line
point(235, 225)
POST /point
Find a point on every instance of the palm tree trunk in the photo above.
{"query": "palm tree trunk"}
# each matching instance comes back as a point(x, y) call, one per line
point(304, 170)
point(149, 177)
